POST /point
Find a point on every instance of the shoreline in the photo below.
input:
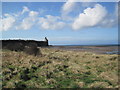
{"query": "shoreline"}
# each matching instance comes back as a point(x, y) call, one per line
point(93, 49)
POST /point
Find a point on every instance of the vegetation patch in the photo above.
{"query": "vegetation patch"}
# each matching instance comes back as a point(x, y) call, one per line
point(59, 69)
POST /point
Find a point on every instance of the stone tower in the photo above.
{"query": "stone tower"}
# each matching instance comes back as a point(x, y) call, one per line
point(46, 40)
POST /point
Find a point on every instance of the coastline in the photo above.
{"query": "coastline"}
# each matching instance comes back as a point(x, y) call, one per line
point(104, 49)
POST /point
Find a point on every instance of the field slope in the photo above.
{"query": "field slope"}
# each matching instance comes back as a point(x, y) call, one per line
point(59, 69)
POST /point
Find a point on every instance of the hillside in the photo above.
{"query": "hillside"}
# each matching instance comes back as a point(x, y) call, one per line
point(59, 69)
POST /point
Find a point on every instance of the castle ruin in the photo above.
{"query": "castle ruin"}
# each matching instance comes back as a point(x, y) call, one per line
point(14, 43)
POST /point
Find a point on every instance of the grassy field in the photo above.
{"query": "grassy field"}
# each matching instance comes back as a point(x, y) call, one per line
point(59, 69)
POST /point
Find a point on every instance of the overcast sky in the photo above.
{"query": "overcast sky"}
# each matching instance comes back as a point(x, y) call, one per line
point(63, 23)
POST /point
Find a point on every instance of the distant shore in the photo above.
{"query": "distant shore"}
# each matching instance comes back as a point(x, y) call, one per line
point(99, 49)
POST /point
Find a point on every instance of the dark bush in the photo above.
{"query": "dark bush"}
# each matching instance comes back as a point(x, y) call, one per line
point(32, 49)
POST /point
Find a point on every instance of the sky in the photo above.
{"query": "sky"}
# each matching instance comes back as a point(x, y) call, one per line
point(63, 23)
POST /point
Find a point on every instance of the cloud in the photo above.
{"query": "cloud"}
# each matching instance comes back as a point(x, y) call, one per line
point(90, 17)
point(26, 24)
point(68, 7)
point(1, 24)
point(109, 21)
point(7, 22)
point(88, 4)
point(33, 13)
point(72, 6)
point(20, 21)
point(25, 9)
point(29, 21)
point(51, 22)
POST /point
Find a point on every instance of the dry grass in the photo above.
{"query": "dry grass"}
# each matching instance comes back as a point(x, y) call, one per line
point(59, 69)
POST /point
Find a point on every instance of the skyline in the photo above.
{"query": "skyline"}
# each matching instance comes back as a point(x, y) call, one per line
point(61, 22)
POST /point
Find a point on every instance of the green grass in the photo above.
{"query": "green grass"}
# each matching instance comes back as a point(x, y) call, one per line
point(59, 69)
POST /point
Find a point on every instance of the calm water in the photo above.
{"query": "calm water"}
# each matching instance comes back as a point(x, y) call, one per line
point(113, 52)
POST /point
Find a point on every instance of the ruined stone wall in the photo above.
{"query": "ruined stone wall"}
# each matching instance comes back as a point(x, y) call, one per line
point(21, 43)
